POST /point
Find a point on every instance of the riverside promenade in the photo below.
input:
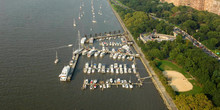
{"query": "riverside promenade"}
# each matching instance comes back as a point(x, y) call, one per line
point(167, 99)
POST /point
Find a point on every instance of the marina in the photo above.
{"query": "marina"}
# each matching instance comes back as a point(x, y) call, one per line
point(122, 52)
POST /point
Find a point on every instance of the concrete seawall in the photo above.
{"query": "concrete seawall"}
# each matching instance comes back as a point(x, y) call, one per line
point(165, 96)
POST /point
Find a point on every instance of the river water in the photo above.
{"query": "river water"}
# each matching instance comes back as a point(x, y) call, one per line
point(31, 30)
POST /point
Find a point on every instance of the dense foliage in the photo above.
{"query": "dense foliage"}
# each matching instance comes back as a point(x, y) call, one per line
point(204, 26)
point(204, 68)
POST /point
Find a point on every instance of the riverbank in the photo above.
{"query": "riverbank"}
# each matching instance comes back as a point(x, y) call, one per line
point(167, 99)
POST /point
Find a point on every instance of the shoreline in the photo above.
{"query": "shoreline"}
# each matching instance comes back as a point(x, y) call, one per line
point(159, 86)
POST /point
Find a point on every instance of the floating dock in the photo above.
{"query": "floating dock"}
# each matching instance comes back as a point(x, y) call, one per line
point(73, 66)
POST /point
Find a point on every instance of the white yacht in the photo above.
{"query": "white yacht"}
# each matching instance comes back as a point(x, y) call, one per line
point(97, 53)
point(119, 57)
point(84, 70)
point(115, 65)
point(83, 40)
point(99, 65)
point(102, 54)
point(89, 70)
point(121, 70)
point(129, 70)
point(84, 52)
point(117, 70)
point(87, 65)
point(64, 74)
point(93, 70)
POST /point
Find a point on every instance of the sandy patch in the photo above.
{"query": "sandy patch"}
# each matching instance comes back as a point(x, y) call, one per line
point(178, 81)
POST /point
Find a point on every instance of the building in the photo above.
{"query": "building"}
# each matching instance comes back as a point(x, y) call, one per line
point(156, 37)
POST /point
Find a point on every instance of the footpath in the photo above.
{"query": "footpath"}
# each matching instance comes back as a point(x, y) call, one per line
point(165, 96)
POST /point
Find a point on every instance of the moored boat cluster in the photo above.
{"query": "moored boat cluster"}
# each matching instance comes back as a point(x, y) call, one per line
point(93, 84)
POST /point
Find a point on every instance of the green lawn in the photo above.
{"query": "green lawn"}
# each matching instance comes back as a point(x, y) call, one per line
point(167, 65)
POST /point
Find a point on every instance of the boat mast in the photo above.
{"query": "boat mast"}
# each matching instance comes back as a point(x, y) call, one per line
point(79, 38)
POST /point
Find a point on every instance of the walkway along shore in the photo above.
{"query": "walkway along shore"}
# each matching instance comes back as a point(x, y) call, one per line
point(167, 99)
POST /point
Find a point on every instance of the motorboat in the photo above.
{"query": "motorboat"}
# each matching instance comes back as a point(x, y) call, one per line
point(87, 65)
point(129, 70)
point(117, 70)
point(93, 70)
point(97, 53)
point(84, 70)
point(99, 65)
point(102, 54)
point(84, 52)
point(108, 70)
point(64, 74)
point(119, 57)
point(89, 70)
point(115, 65)
point(121, 70)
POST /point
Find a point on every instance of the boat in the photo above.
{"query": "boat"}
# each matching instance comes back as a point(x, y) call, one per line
point(117, 70)
point(125, 70)
point(112, 70)
point(104, 86)
point(131, 86)
point(129, 70)
point(133, 65)
point(95, 81)
point(56, 60)
point(120, 66)
point(115, 56)
point(102, 54)
point(115, 65)
point(63, 75)
point(108, 70)
point(84, 70)
point(113, 50)
point(134, 70)
point(119, 57)
point(89, 70)
point(84, 52)
point(93, 70)
point(126, 86)
point(103, 68)
point(94, 66)
point(70, 45)
point(123, 57)
point(111, 80)
point(83, 40)
point(97, 53)
point(111, 55)
point(79, 16)
point(78, 51)
point(121, 70)
point(90, 53)
point(71, 62)
point(108, 86)
point(118, 81)
point(99, 70)
point(74, 23)
point(99, 65)
point(91, 87)
point(86, 65)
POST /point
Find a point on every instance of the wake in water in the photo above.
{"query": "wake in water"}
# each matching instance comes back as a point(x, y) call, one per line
point(48, 49)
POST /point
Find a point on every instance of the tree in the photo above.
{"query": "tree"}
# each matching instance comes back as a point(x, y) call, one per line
point(196, 102)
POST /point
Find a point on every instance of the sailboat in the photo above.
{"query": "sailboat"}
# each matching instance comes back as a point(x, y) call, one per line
point(79, 16)
point(94, 21)
point(56, 60)
point(74, 23)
